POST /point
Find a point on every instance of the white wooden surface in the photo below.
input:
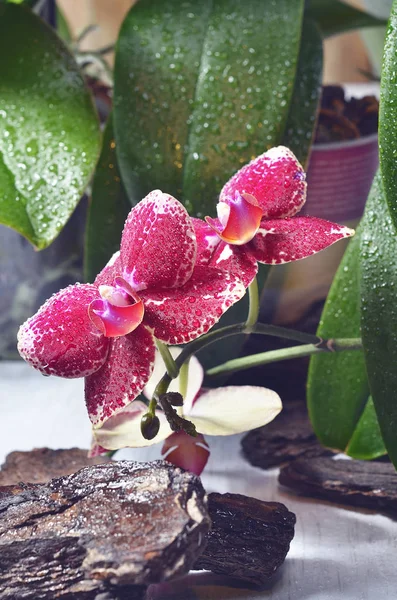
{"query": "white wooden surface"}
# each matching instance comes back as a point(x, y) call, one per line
point(337, 553)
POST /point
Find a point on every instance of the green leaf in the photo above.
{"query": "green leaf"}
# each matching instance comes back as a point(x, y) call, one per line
point(337, 388)
point(297, 136)
point(49, 134)
point(301, 121)
point(63, 28)
point(243, 92)
point(379, 313)
point(366, 442)
point(157, 60)
point(334, 17)
point(108, 209)
point(26, 2)
point(388, 116)
point(200, 88)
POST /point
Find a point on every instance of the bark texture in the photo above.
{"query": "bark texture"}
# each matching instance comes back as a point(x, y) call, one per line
point(355, 482)
point(101, 529)
point(288, 437)
point(42, 464)
point(249, 539)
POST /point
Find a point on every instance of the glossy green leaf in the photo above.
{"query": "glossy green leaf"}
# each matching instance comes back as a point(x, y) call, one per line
point(157, 61)
point(337, 388)
point(335, 17)
point(301, 121)
point(108, 209)
point(388, 116)
point(243, 92)
point(63, 28)
point(200, 88)
point(379, 311)
point(297, 136)
point(366, 442)
point(49, 134)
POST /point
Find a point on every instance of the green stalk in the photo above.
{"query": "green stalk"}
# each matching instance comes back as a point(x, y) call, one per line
point(170, 365)
point(264, 358)
point(183, 379)
point(253, 312)
point(230, 330)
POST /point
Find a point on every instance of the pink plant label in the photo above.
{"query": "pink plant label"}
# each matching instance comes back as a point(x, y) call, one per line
point(339, 178)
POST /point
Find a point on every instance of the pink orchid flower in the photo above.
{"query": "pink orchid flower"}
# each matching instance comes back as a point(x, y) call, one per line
point(221, 411)
point(257, 219)
point(152, 288)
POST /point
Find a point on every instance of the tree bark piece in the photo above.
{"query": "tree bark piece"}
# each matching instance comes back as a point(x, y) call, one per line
point(115, 524)
point(249, 539)
point(285, 439)
point(357, 482)
point(42, 464)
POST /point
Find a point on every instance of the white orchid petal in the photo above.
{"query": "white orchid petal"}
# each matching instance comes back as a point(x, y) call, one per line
point(124, 429)
point(234, 409)
point(196, 376)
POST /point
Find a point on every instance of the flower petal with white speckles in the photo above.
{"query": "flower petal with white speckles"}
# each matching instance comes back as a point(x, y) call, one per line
point(236, 260)
point(123, 376)
point(207, 241)
point(181, 315)
point(212, 251)
point(111, 270)
point(276, 179)
point(158, 245)
point(281, 241)
point(60, 338)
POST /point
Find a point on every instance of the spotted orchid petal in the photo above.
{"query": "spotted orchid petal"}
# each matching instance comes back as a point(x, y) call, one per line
point(195, 378)
point(236, 261)
point(277, 181)
point(110, 271)
point(123, 376)
point(212, 251)
point(207, 241)
point(60, 338)
point(187, 452)
point(123, 430)
point(181, 315)
point(119, 311)
point(158, 245)
point(239, 218)
point(234, 409)
point(284, 240)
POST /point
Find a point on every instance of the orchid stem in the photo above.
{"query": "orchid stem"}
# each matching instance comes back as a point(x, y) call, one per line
point(183, 378)
point(224, 332)
point(264, 358)
point(170, 365)
point(253, 312)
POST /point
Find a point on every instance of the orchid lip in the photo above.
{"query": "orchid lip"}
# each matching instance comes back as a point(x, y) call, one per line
point(238, 219)
point(119, 310)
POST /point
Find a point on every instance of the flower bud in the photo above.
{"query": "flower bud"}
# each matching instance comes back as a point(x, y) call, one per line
point(150, 425)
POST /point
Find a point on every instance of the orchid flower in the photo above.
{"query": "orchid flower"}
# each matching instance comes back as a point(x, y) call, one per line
point(152, 288)
point(257, 219)
point(222, 411)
